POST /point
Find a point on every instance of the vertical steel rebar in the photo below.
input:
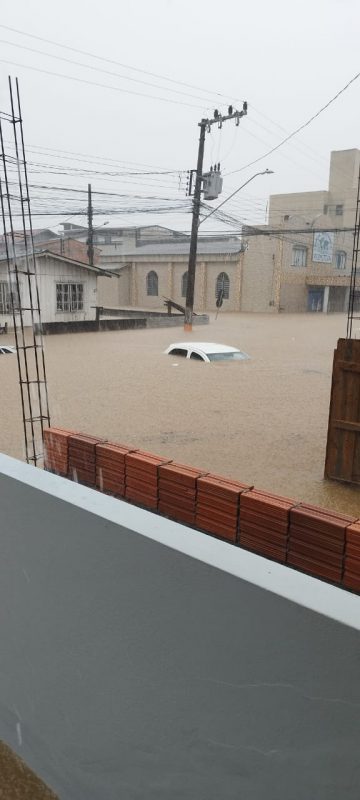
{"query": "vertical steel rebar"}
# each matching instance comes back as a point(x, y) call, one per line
point(354, 264)
point(31, 365)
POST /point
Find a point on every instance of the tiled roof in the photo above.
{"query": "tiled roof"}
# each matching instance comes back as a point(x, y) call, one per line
point(182, 248)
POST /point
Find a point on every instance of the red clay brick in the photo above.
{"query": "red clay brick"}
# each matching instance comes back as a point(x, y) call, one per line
point(105, 469)
point(140, 486)
point(176, 488)
point(320, 519)
point(178, 514)
point(352, 552)
point(263, 521)
point(352, 564)
point(181, 473)
point(217, 486)
point(276, 537)
point(318, 569)
point(140, 458)
point(325, 540)
point(216, 514)
point(187, 503)
point(353, 533)
point(227, 532)
point(138, 474)
point(317, 553)
point(113, 449)
point(85, 439)
point(264, 547)
point(140, 498)
point(61, 433)
point(351, 580)
point(266, 503)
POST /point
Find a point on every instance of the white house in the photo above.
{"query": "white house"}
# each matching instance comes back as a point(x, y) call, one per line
point(67, 289)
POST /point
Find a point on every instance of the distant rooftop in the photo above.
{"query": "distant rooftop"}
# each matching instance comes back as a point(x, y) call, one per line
point(209, 247)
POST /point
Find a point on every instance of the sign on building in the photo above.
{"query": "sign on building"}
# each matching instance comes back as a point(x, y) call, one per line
point(323, 247)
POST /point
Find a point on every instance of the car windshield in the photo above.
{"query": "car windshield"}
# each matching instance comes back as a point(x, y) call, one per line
point(227, 356)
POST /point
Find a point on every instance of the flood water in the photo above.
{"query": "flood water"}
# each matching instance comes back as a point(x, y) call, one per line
point(262, 421)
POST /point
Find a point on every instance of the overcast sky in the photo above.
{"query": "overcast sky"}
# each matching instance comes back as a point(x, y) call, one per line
point(287, 59)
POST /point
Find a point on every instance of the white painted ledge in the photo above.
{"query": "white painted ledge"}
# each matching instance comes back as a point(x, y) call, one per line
point(304, 590)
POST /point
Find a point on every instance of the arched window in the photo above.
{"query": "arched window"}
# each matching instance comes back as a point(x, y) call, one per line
point(152, 283)
point(184, 283)
point(222, 286)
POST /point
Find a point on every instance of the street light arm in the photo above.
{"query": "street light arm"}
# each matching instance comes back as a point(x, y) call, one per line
point(265, 172)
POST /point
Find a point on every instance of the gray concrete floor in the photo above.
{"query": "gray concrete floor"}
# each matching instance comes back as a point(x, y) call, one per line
point(130, 670)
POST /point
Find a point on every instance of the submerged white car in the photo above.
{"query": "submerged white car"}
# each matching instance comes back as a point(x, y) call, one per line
point(7, 348)
point(206, 351)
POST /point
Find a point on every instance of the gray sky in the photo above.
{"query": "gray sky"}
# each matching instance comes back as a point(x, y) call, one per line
point(285, 59)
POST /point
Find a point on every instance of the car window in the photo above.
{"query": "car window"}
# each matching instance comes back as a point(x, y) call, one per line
point(227, 356)
point(197, 356)
point(178, 351)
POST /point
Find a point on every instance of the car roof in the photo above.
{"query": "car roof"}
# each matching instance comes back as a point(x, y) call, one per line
point(205, 347)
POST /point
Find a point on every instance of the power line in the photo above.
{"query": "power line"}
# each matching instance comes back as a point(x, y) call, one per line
point(90, 158)
point(112, 61)
point(104, 71)
point(161, 77)
point(300, 128)
point(99, 85)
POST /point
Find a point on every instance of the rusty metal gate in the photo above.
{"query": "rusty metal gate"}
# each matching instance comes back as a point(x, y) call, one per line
point(343, 444)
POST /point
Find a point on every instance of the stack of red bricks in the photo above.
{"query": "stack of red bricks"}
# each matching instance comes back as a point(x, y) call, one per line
point(217, 505)
point(352, 557)
point(110, 468)
point(317, 541)
point(56, 450)
point(82, 458)
point(177, 491)
point(141, 478)
point(264, 523)
point(324, 543)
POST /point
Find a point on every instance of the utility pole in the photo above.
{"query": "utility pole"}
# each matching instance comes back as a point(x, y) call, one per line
point(278, 272)
point(205, 125)
point(194, 231)
point(90, 239)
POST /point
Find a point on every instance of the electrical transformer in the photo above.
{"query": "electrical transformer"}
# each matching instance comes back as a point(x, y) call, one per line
point(212, 184)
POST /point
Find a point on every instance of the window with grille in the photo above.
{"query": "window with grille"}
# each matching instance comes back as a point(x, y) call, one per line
point(184, 283)
point(339, 210)
point(222, 286)
point(5, 298)
point(152, 284)
point(299, 257)
point(69, 296)
point(340, 259)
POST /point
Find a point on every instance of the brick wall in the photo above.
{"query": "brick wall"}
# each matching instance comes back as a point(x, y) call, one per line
point(317, 541)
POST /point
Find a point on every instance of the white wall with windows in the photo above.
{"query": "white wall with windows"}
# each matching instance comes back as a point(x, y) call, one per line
point(67, 291)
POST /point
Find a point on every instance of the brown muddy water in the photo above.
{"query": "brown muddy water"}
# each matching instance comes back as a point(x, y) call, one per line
point(262, 421)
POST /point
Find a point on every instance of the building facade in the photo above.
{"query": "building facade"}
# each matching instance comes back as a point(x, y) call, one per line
point(300, 261)
point(314, 248)
point(160, 272)
point(67, 290)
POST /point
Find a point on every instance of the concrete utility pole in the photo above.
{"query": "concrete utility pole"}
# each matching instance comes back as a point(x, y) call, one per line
point(194, 230)
point(90, 239)
point(205, 125)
